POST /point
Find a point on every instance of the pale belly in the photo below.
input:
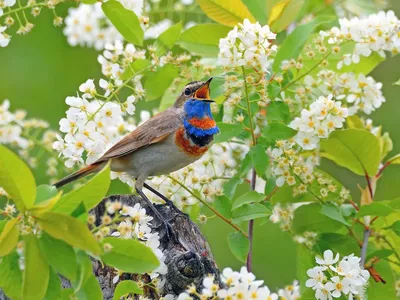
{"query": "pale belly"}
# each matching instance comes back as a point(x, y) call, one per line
point(157, 159)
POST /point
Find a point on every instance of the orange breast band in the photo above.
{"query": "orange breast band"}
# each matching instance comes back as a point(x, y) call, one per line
point(184, 144)
point(205, 123)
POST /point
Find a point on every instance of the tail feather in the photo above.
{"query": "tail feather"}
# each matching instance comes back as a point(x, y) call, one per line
point(93, 168)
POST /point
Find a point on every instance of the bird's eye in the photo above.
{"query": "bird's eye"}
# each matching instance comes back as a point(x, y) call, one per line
point(187, 91)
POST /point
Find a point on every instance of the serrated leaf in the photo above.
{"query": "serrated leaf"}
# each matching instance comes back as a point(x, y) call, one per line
point(11, 276)
point(126, 287)
point(354, 149)
point(258, 8)
point(59, 256)
point(293, 44)
point(230, 186)
point(168, 38)
point(395, 227)
point(224, 205)
point(250, 197)
point(125, 20)
point(36, 272)
point(16, 179)
point(342, 244)
point(9, 237)
point(90, 194)
point(375, 209)
point(130, 256)
point(260, 159)
point(308, 218)
point(278, 111)
point(91, 290)
point(70, 230)
point(276, 131)
point(227, 132)
point(45, 205)
point(54, 287)
point(239, 245)
point(228, 13)
point(203, 39)
point(383, 253)
point(158, 81)
point(333, 213)
point(85, 270)
point(248, 212)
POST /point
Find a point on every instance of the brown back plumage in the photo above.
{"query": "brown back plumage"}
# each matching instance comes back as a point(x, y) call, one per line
point(152, 131)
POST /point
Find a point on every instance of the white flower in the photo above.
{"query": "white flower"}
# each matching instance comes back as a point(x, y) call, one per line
point(4, 38)
point(88, 88)
point(338, 286)
point(317, 277)
point(328, 258)
point(130, 105)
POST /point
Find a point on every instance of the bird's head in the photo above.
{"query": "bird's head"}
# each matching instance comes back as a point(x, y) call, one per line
point(198, 90)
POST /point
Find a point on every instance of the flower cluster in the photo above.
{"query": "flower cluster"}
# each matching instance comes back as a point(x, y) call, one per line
point(247, 44)
point(85, 26)
point(332, 278)
point(323, 116)
point(282, 215)
point(239, 285)
point(357, 92)
point(375, 33)
point(129, 222)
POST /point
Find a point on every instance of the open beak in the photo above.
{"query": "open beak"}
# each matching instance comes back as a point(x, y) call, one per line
point(203, 93)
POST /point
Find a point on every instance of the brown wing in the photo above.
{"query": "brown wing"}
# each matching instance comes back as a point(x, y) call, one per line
point(152, 131)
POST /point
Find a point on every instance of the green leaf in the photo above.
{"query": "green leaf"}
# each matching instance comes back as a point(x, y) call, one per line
point(375, 209)
point(239, 245)
point(283, 13)
point(37, 271)
point(365, 66)
point(260, 159)
point(386, 144)
point(342, 244)
point(230, 186)
point(354, 122)
point(224, 205)
point(333, 213)
point(127, 287)
point(9, 237)
point(395, 160)
point(59, 256)
point(258, 9)
point(137, 66)
point(309, 218)
point(85, 270)
point(249, 212)
point(157, 82)
point(203, 39)
point(278, 111)
point(90, 194)
point(395, 227)
point(125, 20)
point(45, 192)
point(45, 205)
point(16, 179)
point(91, 290)
point(168, 38)
point(228, 13)
point(383, 253)
point(377, 290)
point(54, 288)
point(250, 197)
point(245, 165)
point(70, 230)
point(293, 44)
point(130, 256)
point(11, 276)
point(227, 131)
point(354, 149)
point(89, 1)
point(305, 261)
point(276, 131)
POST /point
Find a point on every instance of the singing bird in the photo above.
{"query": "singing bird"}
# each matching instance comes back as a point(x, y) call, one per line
point(165, 143)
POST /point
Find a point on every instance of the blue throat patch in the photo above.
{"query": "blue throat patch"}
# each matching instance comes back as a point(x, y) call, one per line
point(198, 109)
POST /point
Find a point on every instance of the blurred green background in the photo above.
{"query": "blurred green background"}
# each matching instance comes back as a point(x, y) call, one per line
point(39, 70)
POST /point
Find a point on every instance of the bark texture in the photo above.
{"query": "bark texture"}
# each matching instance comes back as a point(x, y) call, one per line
point(188, 255)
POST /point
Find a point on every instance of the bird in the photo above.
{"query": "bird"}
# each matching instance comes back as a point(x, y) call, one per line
point(165, 143)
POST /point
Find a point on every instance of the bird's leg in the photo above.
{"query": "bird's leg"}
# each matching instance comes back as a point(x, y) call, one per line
point(169, 231)
point(167, 201)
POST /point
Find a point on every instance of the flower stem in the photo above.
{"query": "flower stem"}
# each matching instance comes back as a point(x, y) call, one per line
point(253, 173)
point(210, 207)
